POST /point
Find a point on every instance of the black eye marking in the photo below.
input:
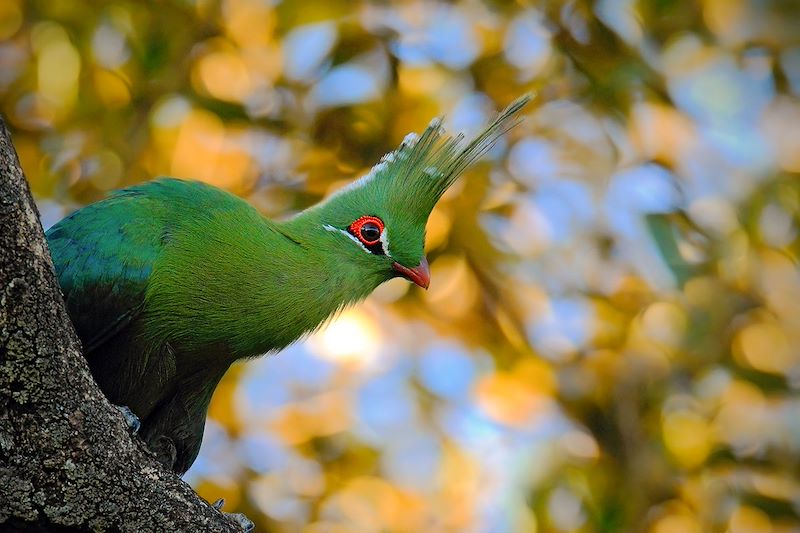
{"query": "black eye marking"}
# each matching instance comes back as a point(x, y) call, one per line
point(368, 230)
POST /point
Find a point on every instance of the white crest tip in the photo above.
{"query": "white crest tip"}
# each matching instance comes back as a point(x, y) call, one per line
point(409, 140)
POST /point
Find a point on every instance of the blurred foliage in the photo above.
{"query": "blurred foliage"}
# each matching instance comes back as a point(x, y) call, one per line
point(610, 342)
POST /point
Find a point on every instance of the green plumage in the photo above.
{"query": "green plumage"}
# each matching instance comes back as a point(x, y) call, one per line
point(170, 282)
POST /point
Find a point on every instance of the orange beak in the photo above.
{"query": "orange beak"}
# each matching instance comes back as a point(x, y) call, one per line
point(420, 274)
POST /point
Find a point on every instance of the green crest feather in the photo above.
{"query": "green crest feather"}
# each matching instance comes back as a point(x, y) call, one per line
point(405, 185)
point(418, 173)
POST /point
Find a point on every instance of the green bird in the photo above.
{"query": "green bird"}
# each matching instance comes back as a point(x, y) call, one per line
point(168, 283)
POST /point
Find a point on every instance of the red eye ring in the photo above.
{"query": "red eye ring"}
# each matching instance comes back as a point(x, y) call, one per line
point(358, 229)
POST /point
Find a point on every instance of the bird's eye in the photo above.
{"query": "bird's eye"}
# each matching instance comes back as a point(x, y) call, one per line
point(367, 229)
point(370, 232)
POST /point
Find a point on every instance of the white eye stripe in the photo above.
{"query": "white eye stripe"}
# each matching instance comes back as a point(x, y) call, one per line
point(346, 234)
point(384, 239)
point(385, 242)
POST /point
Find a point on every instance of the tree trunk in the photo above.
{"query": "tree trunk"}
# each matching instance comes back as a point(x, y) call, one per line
point(67, 459)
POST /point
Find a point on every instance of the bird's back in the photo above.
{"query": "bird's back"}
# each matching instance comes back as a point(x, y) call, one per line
point(105, 255)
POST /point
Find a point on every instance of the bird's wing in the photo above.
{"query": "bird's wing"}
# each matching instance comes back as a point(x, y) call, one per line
point(103, 255)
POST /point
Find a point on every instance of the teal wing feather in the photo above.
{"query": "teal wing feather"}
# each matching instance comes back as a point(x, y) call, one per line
point(104, 255)
point(109, 257)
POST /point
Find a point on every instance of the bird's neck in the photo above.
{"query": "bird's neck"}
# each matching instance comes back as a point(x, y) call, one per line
point(240, 285)
point(294, 283)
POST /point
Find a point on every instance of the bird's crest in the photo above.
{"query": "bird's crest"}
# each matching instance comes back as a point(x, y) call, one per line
point(418, 173)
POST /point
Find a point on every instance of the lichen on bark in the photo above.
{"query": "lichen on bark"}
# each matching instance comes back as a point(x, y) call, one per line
point(67, 460)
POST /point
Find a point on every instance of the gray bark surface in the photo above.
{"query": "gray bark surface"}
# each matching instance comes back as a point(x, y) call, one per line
point(67, 459)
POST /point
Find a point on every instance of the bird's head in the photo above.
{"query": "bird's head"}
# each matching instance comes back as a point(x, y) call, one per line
point(378, 221)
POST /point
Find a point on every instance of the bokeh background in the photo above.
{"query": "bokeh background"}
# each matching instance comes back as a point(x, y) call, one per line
point(611, 338)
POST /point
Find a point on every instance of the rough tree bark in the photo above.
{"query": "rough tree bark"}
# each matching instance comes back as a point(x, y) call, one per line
point(67, 460)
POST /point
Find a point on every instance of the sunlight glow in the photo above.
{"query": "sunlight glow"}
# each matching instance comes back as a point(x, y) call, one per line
point(351, 339)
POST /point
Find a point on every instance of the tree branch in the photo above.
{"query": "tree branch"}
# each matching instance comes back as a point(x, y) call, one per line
point(67, 460)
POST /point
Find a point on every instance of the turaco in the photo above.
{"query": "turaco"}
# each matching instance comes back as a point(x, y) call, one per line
point(168, 283)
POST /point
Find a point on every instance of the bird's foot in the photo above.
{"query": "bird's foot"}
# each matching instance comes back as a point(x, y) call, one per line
point(245, 523)
point(130, 419)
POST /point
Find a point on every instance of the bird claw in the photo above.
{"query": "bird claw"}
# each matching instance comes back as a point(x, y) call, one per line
point(131, 419)
point(245, 523)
